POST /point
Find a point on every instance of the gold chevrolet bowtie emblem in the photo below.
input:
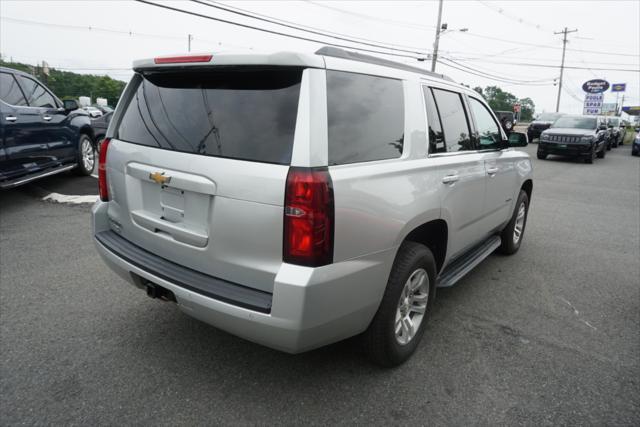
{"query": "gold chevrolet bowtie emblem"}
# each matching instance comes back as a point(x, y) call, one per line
point(159, 178)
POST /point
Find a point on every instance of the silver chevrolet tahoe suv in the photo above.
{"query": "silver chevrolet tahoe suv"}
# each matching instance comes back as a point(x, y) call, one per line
point(297, 200)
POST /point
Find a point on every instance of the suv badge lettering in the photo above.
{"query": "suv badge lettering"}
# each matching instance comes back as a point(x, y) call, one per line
point(159, 178)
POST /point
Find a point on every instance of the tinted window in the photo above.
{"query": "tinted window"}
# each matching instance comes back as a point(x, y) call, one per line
point(366, 117)
point(243, 113)
point(488, 130)
point(576, 122)
point(454, 120)
point(436, 136)
point(9, 90)
point(37, 96)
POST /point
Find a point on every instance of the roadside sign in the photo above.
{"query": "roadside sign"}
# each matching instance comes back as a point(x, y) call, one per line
point(618, 87)
point(593, 104)
point(595, 86)
point(632, 110)
point(609, 107)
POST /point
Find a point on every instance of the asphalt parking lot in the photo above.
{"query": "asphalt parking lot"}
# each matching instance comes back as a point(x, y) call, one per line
point(548, 336)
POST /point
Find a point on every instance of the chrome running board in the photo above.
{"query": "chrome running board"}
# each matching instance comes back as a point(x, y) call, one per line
point(464, 264)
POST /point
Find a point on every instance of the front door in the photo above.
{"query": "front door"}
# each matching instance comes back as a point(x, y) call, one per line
point(500, 168)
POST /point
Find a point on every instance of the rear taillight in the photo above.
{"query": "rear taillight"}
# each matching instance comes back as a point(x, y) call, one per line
point(102, 170)
point(308, 217)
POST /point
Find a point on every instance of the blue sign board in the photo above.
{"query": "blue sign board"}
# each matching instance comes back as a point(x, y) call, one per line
point(595, 86)
point(618, 87)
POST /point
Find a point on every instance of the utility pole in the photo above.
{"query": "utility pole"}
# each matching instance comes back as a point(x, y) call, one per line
point(434, 57)
point(189, 38)
point(564, 48)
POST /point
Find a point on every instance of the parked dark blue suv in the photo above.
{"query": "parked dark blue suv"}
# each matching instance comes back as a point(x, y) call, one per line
point(39, 134)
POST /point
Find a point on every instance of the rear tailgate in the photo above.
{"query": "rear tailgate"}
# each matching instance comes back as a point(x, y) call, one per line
point(198, 164)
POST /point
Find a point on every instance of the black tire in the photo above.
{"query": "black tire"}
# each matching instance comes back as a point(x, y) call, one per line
point(509, 244)
point(541, 155)
point(589, 160)
point(601, 153)
point(608, 144)
point(380, 343)
point(82, 168)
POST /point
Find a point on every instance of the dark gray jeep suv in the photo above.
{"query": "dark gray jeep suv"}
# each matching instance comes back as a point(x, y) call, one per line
point(575, 136)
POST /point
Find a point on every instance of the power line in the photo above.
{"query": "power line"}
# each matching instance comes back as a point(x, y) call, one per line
point(374, 18)
point(470, 71)
point(502, 12)
point(312, 30)
point(92, 28)
point(469, 33)
point(548, 80)
point(226, 21)
point(529, 64)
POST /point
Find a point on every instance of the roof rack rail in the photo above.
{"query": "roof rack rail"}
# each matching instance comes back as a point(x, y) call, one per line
point(356, 56)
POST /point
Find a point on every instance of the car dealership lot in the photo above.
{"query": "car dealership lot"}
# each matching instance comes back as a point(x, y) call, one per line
point(550, 335)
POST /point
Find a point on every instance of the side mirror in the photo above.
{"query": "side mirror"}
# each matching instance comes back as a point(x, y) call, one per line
point(517, 139)
point(70, 105)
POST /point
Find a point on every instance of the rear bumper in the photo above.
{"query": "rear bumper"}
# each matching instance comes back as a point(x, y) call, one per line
point(573, 150)
point(310, 307)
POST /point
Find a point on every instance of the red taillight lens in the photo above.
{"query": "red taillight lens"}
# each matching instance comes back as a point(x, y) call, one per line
point(102, 170)
point(308, 217)
point(182, 59)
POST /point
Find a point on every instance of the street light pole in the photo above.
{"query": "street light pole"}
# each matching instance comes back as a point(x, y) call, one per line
point(564, 48)
point(189, 38)
point(434, 58)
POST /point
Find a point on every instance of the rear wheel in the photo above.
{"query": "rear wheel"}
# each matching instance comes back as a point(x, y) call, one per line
point(86, 156)
point(398, 325)
point(514, 231)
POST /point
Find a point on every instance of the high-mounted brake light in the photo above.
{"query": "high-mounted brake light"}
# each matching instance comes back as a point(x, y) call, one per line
point(102, 170)
point(182, 59)
point(308, 217)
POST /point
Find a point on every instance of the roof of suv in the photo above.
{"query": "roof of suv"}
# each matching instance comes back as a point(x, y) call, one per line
point(285, 58)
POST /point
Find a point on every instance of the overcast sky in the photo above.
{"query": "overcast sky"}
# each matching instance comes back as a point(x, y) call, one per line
point(500, 34)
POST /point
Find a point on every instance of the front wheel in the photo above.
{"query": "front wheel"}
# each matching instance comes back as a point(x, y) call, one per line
point(542, 156)
point(601, 153)
point(514, 231)
point(86, 156)
point(398, 325)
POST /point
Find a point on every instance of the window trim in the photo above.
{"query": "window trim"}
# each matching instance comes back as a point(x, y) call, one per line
point(465, 108)
point(403, 86)
point(475, 126)
point(19, 88)
point(46, 89)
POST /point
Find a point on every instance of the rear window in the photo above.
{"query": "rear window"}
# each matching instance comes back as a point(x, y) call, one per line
point(240, 113)
point(366, 117)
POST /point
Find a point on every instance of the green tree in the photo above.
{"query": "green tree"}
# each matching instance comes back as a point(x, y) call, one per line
point(500, 100)
point(66, 84)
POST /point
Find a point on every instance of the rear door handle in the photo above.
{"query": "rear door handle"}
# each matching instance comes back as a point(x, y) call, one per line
point(450, 179)
point(492, 171)
point(46, 118)
point(11, 118)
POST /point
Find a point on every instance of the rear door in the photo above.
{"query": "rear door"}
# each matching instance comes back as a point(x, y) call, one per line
point(462, 170)
point(198, 164)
